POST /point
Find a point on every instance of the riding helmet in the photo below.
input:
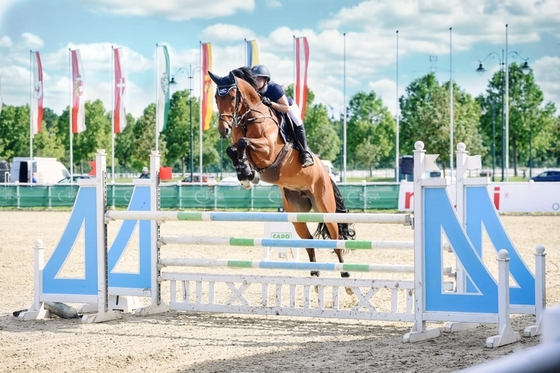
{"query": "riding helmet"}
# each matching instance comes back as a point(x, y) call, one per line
point(261, 70)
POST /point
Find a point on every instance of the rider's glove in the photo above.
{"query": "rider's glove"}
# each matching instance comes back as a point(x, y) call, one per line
point(266, 101)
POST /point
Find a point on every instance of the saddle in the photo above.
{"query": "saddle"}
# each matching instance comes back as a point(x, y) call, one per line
point(287, 129)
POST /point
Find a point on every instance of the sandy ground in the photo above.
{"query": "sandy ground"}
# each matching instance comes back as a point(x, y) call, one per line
point(204, 342)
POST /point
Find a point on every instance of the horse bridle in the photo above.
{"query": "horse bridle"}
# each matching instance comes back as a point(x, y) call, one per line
point(238, 120)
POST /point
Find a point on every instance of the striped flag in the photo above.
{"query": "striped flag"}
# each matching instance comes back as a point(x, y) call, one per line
point(119, 114)
point(78, 90)
point(207, 87)
point(252, 52)
point(301, 89)
point(162, 86)
point(37, 96)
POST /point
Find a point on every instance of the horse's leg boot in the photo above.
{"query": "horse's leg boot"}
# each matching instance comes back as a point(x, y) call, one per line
point(305, 157)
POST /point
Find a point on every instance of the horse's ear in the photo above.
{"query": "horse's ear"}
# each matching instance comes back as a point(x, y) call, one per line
point(231, 78)
point(214, 77)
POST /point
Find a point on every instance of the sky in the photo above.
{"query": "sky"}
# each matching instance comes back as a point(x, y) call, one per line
point(354, 44)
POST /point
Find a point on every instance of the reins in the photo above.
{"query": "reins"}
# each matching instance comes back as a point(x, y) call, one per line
point(243, 121)
point(240, 120)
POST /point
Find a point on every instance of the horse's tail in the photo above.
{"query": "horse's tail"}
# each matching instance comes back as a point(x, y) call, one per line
point(345, 231)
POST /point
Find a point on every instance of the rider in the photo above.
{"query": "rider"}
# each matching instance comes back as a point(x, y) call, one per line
point(273, 95)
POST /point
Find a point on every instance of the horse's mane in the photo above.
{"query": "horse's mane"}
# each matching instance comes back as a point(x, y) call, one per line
point(246, 74)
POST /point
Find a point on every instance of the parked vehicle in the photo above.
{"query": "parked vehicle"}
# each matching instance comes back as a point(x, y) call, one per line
point(4, 171)
point(335, 176)
point(229, 181)
point(75, 178)
point(550, 175)
point(206, 179)
point(41, 170)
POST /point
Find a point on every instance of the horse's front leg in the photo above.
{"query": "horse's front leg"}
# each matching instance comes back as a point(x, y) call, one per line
point(243, 168)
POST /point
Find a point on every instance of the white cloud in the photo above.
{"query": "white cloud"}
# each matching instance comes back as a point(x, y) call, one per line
point(225, 33)
point(6, 42)
point(4, 5)
point(176, 10)
point(273, 4)
point(547, 76)
point(31, 41)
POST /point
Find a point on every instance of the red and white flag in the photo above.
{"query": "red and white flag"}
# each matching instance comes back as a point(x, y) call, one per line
point(78, 109)
point(300, 87)
point(37, 94)
point(119, 114)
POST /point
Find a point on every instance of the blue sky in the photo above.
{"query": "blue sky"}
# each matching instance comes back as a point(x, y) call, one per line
point(368, 50)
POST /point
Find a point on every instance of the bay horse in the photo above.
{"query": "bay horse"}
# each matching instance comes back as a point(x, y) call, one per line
point(260, 152)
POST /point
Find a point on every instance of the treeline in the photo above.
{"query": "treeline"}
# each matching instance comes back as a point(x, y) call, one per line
point(534, 129)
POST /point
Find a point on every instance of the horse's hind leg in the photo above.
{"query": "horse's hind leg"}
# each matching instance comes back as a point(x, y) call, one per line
point(294, 202)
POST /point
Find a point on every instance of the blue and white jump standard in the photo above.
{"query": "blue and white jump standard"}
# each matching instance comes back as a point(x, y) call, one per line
point(476, 297)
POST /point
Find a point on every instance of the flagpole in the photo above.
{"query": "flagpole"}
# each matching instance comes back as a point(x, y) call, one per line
point(344, 108)
point(31, 105)
point(397, 150)
point(113, 119)
point(157, 98)
point(451, 103)
point(200, 114)
point(294, 73)
point(246, 53)
point(71, 112)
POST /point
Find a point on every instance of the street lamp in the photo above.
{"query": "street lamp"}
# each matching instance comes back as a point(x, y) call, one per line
point(530, 148)
point(190, 76)
point(173, 82)
point(493, 140)
point(505, 97)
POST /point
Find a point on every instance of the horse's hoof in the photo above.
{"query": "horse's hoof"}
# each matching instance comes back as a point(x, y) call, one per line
point(315, 273)
point(344, 274)
point(246, 184)
point(256, 178)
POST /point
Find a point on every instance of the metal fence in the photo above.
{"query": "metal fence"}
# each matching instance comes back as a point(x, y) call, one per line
point(360, 196)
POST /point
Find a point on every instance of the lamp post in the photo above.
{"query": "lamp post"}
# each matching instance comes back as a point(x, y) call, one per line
point(173, 82)
point(190, 76)
point(493, 138)
point(493, 144)
point(505, 98)
point(530, 148)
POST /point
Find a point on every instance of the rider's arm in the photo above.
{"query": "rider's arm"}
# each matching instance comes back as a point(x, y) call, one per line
point(281, 105)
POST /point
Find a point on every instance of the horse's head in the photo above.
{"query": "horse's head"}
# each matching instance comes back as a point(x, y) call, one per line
point(227, 100)
point(235, 98)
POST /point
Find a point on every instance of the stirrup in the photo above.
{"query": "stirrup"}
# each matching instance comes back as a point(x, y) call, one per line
point(306, 160)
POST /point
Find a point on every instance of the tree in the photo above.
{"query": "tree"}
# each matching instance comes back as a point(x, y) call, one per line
point(96, 136)
point(124, 143)
point(14, 131)
point(321, 133)
point(370, 119)
point(425, 116)
point(531, 123)
point(144, 138)
point(177, 133)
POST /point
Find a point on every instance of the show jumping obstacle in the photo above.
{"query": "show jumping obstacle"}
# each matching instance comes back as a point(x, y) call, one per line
point(475, 297)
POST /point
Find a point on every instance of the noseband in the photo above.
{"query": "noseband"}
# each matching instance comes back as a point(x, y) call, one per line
point(237, 119)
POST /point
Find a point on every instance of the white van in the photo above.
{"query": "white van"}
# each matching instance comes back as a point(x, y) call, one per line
point(335, 176)
point(44, 170)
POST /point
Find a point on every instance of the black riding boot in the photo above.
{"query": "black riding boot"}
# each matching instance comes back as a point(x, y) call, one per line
point(306, 157)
